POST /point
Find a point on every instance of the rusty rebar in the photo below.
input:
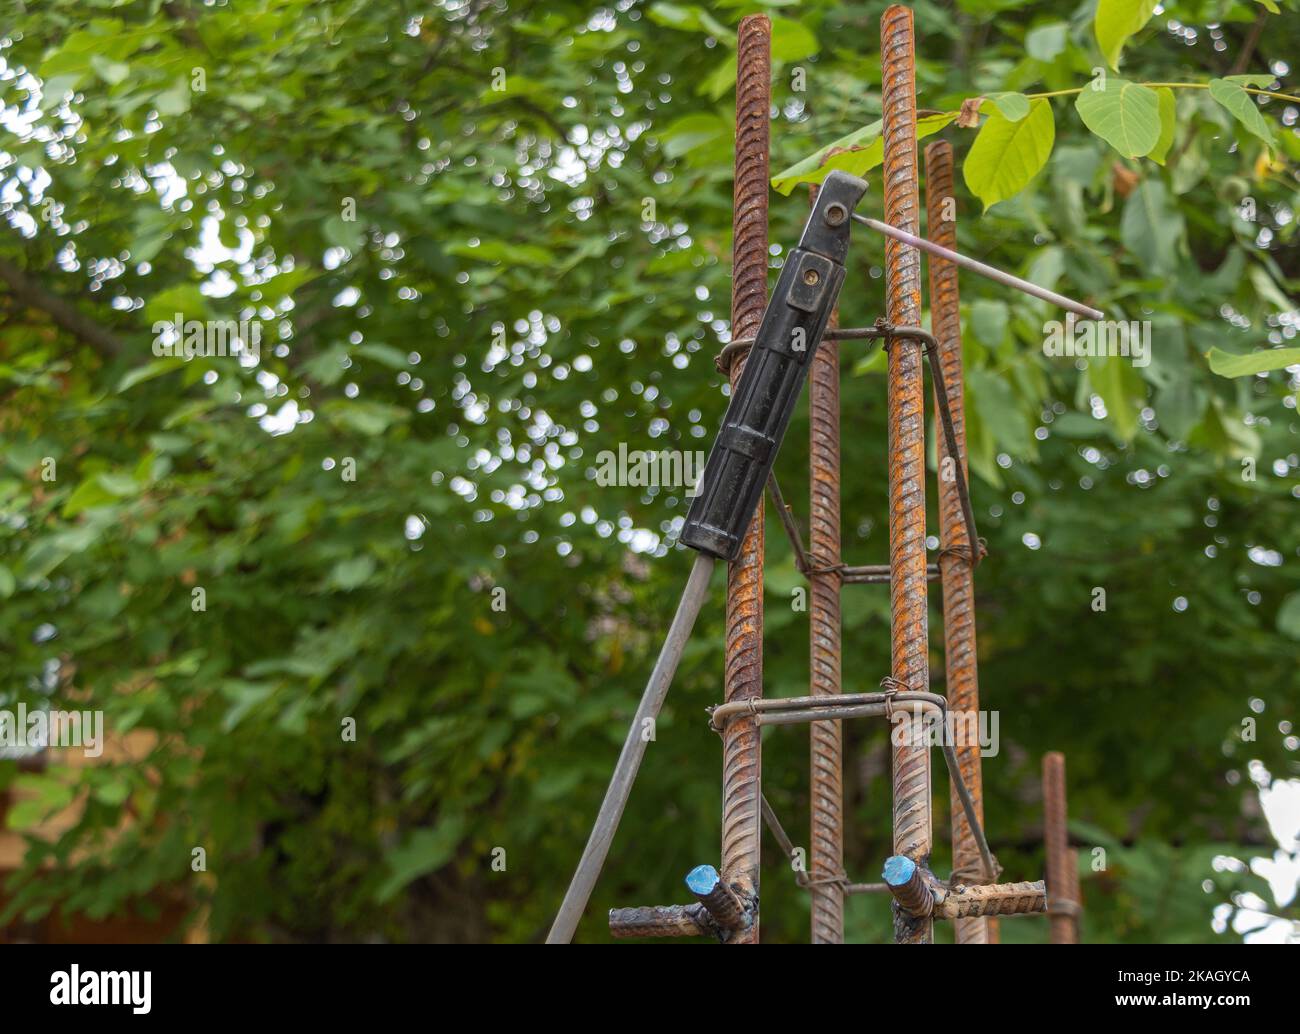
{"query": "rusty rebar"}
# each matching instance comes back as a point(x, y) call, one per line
point(912, 886)
point(994, 899)
point(826, 782)
point(961, 670)
point(743, 679)
point(660, 921)
point(906, 415)
point(1075, 894)
point(730, 910)
point(1056, 838)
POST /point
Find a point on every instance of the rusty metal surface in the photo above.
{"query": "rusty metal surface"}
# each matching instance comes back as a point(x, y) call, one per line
point(1075, 894)
point(659, 921)
point(914, 889)
point(729, 908)
point(992, 899)
point(1056, 839)
point(826, 784)
point(743, 680)
point(961, 670)
point(907, 590)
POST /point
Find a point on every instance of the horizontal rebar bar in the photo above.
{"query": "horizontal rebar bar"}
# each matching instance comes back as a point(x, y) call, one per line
point(996, 899)
point(929, 701)
point(660, 921)
point(918, 893)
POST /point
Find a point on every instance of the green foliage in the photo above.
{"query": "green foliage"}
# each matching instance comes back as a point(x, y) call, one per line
point(1009, 152)
point(537, 273)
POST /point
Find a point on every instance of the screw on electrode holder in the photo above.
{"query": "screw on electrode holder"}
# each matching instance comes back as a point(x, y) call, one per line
point(836, 213)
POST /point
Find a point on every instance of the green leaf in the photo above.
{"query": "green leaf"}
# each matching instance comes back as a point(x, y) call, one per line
point(504, 252)
point(1124, 114)
point(1117, 21)
point(1270, 6)
point(792, 40)
point(1288, 616)
point(1168, 123)
point(393, 358)
point(147, 372)
point(174, 101)
point(685, 134)
point(186, 299)
point(690, 19)
point(1230, 94)
point(721, 80)
point(353, 572)
point(1110, 378)
point(858, 153)
point(1151, 227)
point(1045, 42)
point(1013, 106)
point(1006, 155)
point(423, 851)
point(368, 418)
point(1225, 364)
point(112, 72)
point(8, 583)
point(989, 318)
point(341, 233)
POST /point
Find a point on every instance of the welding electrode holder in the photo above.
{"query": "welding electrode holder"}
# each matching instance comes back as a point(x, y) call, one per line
point(777, 366)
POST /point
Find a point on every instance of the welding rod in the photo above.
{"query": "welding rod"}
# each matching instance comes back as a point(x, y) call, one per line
point(975, 266)
point(620, 786)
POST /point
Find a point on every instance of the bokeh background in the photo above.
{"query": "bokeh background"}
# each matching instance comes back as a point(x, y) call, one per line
point(486, 240)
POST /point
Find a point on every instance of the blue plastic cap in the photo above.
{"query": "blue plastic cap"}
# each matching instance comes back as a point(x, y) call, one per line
point(702, 879)
point(898, 870)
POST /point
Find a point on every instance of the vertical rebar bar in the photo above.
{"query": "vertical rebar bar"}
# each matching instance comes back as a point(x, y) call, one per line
point(826, 784)
point(1056, 837)
point(955, 566)
point(907, 589)
point(743, 680)
point(1076, 894)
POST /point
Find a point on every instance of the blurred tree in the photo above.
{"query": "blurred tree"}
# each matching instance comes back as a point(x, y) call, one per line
point(481, 242)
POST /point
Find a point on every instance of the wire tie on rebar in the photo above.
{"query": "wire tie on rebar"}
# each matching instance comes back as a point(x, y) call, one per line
point(892, 687)
point(813, 569)
point(1064, 907)
point(962, 552)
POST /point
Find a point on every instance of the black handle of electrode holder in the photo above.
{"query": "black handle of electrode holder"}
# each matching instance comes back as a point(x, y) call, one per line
point(774, 374)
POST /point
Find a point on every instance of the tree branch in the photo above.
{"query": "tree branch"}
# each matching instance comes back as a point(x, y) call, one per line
point(62, 312)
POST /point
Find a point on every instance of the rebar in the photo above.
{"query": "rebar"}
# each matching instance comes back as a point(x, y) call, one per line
point(906, 417)
point(743, 679)
point(911, 885)
point(1056, 837)
point(660, 921)
point(730, 911)
point(959, 654)
point(826, 781)
point(996, 899)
